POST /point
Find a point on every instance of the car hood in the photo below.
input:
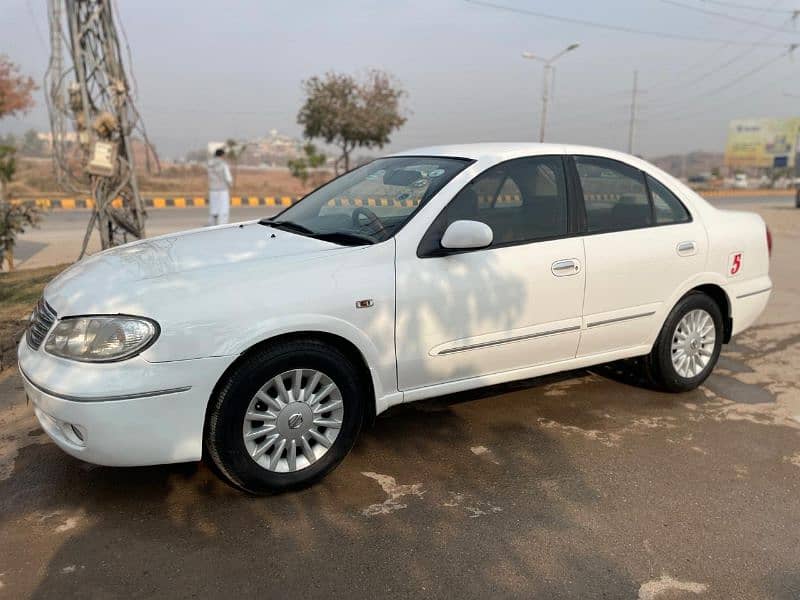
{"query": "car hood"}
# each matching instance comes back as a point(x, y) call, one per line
point(118, 279)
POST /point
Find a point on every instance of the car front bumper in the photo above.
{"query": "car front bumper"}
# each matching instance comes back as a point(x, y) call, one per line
point(130, 413)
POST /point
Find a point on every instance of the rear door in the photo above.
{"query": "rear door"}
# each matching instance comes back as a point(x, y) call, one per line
point(641, 245)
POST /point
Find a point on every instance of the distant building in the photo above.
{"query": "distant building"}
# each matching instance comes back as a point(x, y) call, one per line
point(47, 137)
point(275, 149)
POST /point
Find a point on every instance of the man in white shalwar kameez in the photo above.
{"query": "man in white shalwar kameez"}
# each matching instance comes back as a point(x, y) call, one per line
point(219, 184)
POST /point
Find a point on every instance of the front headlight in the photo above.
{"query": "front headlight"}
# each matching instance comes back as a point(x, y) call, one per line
point(101, 338)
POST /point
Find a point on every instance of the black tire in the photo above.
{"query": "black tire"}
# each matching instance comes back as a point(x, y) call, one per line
point(658, 364)
point(224, 446)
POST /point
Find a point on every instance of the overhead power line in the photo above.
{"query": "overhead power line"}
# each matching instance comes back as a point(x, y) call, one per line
point(713, 107)
point(718, 68)
point(753, 71)
point(751, 7)
point(675, 81)
point(715, 13)
point(725, 86)
point(613, 27)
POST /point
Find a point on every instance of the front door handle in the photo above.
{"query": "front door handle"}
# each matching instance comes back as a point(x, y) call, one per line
point(687, 249)
point(568, 266)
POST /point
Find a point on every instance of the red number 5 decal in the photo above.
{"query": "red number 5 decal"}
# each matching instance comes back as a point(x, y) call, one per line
point(736, 263)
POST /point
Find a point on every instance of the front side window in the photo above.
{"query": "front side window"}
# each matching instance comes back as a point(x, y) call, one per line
point(521, 200)
point(614, 194)
point(371, 203)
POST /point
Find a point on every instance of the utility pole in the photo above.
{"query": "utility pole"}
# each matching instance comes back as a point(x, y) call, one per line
point(632, 122)
point(548, 69)
point(543, 119)
point(95, 95)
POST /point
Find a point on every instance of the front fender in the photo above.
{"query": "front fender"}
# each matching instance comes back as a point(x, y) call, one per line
point(380, 362)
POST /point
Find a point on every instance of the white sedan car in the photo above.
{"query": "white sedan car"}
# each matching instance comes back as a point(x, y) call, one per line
point(265, 346)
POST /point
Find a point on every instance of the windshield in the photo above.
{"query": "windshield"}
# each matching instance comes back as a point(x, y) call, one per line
point(371, 203)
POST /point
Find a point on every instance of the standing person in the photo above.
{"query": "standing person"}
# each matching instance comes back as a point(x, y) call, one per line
point(219, 184)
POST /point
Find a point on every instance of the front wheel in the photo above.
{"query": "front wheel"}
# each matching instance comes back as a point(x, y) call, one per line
point(688, 347)
point(285, 417)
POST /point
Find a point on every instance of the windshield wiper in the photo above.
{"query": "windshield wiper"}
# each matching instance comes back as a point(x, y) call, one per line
point(343, 238)
point(288, 225)
point(337, 237)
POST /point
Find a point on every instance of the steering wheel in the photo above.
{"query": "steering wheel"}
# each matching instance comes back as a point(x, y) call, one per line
point(373, 224)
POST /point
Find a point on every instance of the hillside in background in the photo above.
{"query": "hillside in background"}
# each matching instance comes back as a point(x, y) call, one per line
point(688, 165)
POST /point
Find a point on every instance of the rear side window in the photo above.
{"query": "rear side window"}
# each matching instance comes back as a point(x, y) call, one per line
point(614, 193)
point(668, 209)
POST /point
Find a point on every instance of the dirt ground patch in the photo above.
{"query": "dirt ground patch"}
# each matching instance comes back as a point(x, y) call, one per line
point(577, 485)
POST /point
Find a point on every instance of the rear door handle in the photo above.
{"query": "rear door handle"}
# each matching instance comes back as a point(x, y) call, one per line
point(568, 266)
point(687, 248)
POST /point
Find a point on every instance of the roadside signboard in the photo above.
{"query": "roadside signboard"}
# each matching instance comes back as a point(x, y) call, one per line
point(762, 143)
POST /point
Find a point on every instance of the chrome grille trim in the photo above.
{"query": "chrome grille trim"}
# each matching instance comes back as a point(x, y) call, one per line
point(42, 320)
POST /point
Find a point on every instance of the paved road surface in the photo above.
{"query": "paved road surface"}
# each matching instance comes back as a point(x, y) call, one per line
point(582, 485)
point(60, 235)
point(59, 238)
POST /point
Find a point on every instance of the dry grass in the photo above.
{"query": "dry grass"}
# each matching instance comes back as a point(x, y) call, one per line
point(19, 291)
point(35, 179)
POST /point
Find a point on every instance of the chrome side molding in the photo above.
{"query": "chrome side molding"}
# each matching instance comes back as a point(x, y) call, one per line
point(619, 319)
point(517, 338)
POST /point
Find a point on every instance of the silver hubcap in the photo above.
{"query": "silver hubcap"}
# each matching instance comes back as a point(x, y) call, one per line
point(693, 343)
point(293, 420)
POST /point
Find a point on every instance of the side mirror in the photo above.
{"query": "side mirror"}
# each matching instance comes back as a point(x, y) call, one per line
point(467, 235)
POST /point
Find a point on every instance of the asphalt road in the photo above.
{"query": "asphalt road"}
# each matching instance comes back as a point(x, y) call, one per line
point(582, 485)
point(59, 237)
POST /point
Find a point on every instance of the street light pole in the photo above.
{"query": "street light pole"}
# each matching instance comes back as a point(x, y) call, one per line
point(543, 118)
point(548, 67)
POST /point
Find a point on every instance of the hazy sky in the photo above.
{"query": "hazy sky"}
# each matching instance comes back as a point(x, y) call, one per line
point(214, 70)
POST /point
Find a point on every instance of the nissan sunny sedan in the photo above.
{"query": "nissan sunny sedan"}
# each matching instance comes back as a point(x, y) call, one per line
point(264, 347)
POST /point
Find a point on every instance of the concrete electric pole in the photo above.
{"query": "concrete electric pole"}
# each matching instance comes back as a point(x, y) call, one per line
point(548, 69)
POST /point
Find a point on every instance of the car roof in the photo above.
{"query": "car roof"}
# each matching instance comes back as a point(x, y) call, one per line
point(507, 150)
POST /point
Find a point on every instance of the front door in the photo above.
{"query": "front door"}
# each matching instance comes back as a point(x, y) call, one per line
point(514, 304)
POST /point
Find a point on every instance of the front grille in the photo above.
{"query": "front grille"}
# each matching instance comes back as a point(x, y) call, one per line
point(42, 320)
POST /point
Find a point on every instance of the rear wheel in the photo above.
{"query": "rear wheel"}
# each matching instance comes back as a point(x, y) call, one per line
point(688, 346)
point(285, 417)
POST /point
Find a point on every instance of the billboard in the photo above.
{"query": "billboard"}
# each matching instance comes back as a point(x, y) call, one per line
point(762, 143)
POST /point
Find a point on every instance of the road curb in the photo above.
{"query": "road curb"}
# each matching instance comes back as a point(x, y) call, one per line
point(157, 202)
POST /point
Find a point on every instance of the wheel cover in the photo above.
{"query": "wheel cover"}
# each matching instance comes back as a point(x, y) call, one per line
point(293, 420)
point(693, 343)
